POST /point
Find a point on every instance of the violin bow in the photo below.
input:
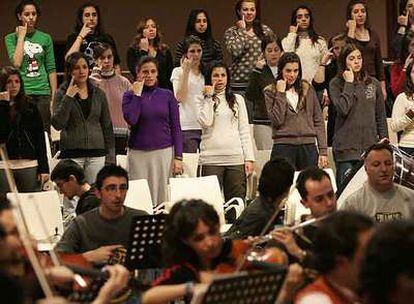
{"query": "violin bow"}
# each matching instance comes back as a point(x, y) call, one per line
point(22, 227)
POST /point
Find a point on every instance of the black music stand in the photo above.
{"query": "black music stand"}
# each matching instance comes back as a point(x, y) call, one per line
point(248, 288)
point(145, 238)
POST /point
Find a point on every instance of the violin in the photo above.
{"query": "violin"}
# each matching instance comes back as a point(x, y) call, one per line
point(244, 256)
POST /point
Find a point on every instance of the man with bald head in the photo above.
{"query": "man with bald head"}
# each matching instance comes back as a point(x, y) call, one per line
point(380, 198)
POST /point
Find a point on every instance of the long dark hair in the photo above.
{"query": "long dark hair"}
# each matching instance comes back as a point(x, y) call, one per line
point(191, 21)
point(230, 97)
point(180, 225)
point(405, 45)
point(311, 31)
point(257, 24)
point(79, 16)
point(290, 57)
point(20, 7)
point(346, 50)
point(409, 86)
point(350, 7)
point(188, 41)
point(157, 44)
point(21, 98)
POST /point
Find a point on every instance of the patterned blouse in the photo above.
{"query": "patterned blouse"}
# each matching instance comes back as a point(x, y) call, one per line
point(244, 51)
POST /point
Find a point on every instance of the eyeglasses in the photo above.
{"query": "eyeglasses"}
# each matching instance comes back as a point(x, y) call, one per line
point(114, 188)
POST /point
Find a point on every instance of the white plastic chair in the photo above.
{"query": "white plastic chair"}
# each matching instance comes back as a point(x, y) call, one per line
point(122, 160)
point(139, 196)
point(42, 213)
point(206, 188)
point(294, 208)
point(190, 164)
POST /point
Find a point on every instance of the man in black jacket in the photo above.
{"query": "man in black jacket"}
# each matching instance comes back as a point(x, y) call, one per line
point(274, 185)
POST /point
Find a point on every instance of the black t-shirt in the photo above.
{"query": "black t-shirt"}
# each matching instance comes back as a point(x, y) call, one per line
point(90, 42)
point(87, 201)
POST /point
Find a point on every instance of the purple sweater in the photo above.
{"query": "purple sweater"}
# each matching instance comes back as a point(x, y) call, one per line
point(154, 120)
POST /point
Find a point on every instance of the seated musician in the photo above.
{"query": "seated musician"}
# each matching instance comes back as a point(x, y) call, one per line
point(339, 249)
point(100, 231)
point(192, 249)
point(70, 179)
point(380, 198)
point(316, 191)
point(274, 184)
point(17, 279)
point(387, 270)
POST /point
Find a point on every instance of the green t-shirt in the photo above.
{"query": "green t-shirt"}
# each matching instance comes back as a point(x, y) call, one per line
point(38, 61)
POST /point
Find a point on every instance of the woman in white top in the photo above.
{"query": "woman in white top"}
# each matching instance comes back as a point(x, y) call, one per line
point(304, 41)
point(226, 146)
point(403, 114)
point(188, 84)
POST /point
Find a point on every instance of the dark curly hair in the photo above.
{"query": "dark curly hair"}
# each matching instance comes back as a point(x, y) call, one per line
point(388, 257)
point(350, 7)
point(22, 100)
point(180, 224)
point(157, 44)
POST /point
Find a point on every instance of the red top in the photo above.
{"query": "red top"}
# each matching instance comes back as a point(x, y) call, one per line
point(323, 288)
point(397, 79)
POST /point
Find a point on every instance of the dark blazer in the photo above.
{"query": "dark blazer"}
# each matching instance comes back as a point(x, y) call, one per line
point(24, 136)
point(255, 102)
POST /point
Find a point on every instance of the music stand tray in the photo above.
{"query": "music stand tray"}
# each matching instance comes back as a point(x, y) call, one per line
point(248, 288)
point(145, 238)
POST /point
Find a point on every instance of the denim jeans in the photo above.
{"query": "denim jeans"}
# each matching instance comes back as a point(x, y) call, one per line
point(91, 165)
point(343, 169)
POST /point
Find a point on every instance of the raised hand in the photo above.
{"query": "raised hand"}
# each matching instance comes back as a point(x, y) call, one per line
point(85, 31)
point(73, 88)
point(348, 76)
point(186, 63)
point(209, 90)
point(326, 57)
point(21, 30)
point(281, 85)
point(403, 19)
point(144, 44)
point(5, 96)
point(293, 28)
point(261, 62)
point(241, 23)
point(137, 86)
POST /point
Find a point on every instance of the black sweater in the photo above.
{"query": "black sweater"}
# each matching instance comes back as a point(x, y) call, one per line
point(24, 136)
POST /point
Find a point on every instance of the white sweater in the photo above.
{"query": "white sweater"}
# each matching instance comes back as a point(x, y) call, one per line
point(225, 139)
point(310, 54)
point(401, 122)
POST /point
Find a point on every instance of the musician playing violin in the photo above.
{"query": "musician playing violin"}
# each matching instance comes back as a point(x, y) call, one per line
point(100, 231)
point(192, 249)
point(316, 191)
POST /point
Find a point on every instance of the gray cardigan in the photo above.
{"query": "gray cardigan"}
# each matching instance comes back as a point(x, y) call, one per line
point(78, 132)
point(360, 117)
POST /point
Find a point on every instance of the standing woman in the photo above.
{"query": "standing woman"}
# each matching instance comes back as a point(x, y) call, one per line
point(226, 146)
point(296, 117)
point(243, 41)
point(366, 39)
point(304, 41)
point(81, 112)
point(188, 83)
point(360, 111)
point(148, 42)
point(155, 143)
point(21, 129)
point(199, 24)
point(403, 114)
point(31, 52)
point(263, 74)
point(114, 86)
point(88, 32)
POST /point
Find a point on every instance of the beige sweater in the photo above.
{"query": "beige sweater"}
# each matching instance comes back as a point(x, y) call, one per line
point(226, 139)
point(401, 122)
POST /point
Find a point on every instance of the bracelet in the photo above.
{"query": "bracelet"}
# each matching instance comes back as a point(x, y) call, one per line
point(81, 37)
point(322, 64)
point(178, 158)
